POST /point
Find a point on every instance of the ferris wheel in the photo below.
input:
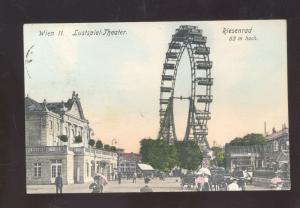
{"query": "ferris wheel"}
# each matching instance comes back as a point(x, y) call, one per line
point(188, 38)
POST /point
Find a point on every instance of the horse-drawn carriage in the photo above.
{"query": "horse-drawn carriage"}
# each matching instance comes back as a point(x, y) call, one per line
point(188, 181)
point(219, 181)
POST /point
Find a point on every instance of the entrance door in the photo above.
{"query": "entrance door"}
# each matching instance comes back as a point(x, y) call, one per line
point(56, 168)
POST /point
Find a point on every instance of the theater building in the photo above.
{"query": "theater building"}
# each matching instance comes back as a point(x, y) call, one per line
point(47, 155)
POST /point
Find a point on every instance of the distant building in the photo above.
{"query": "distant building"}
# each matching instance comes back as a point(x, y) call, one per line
point(277, 149)
point(128, 162)
point(145, 170)
point(47, 155)
point(273, 154)
point(248, 157)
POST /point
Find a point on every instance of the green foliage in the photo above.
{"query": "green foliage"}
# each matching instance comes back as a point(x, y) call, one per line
point(189, 154)
point(249, 139)
point(219, 155)
point(162, 156)
point(99, 144)
point(159, 154)
point(113, 149)
point(107, 147)
point(78, 139)
point(63, 138)
point(91, 142)
point(146, 149)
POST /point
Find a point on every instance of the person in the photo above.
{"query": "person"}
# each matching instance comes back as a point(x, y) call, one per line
point(58, 183)
point(233, 186)
point(199, 182)
point(112, 175)
point(119, 177)
point(146, 188)
point(128, 175)
point(134, 177)
point(95, 186)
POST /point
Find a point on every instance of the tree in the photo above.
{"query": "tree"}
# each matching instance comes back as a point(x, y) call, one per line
point(91, 142)
point(107, 147)
point(249, 139)
point(63, 138)
point(146, 149)
point(189, 154)
point(219, 155)
point(159, 154)
point(113, 149)
point(78, 139)
point(99, 144)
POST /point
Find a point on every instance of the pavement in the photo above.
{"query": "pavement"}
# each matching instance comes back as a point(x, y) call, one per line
point(168, 185)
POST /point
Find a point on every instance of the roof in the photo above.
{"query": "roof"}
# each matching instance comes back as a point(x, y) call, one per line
point(32, 105)
point(143, 166)
point(56, 107)
point(244, 149)
point(278, 134)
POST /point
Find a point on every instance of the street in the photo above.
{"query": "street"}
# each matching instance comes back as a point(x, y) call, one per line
point(168, 185)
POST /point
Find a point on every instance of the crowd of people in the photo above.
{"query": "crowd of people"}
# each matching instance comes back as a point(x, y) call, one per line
point(201, 181)
point(100, 181)
point(204, 180)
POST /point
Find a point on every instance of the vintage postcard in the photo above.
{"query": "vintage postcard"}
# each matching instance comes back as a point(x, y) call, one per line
point(156, 107)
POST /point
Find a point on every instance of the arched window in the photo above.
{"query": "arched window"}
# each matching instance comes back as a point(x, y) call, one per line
point(51, 125)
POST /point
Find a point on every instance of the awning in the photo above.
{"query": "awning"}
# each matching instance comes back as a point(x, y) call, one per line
point(143, 166)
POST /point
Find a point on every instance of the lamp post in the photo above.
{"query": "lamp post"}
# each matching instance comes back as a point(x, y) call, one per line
point(113, 141)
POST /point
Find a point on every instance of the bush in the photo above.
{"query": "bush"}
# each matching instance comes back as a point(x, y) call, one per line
point(91, 142)
point(78, 139)
point(113, 148)
point(63, 138)
point(99, 144)
point(107, 147)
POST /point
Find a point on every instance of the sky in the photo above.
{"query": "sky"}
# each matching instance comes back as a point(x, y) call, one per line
point(118, 77)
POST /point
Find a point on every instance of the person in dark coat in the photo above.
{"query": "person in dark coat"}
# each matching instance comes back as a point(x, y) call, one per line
point(95, 186)
point(119, 177)
point(58, 183)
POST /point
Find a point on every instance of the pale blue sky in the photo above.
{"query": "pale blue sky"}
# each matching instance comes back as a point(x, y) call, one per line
point(118, 78)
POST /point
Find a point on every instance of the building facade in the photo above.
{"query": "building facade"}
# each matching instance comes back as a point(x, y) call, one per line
point(274, 154)
point(128, 162)
point(277, 154)
point(47, 155)
point(249, 157)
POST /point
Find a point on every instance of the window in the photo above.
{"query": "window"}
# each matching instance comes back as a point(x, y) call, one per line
point(51, 125)
point(283, 145)
point(57, 126)
point(87, 169)
point(275, 147)
point(56, 168)
point(37, 169)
